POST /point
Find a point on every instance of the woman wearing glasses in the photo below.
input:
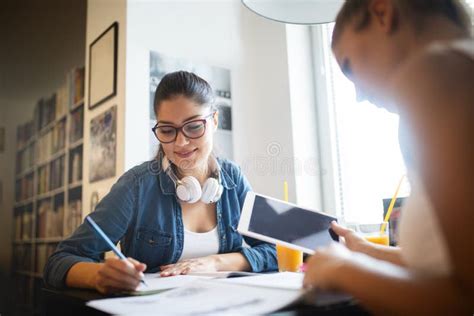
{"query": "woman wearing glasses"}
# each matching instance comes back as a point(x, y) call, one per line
point(177, 214)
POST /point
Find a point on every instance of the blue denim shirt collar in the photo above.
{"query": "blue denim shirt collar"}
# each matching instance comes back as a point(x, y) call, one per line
point(167, 186)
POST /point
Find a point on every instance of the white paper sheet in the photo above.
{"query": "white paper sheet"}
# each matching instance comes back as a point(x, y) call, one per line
point(155, 282)
point(224, 274)
point(282, 280)
point(202, 297)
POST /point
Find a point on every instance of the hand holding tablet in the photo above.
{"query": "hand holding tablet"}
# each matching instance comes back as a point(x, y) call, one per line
point(279, 222)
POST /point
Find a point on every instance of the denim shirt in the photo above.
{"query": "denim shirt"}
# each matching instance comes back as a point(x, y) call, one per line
point(142, 212)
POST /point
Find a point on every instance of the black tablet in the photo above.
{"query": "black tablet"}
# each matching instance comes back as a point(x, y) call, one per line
point(279, 222)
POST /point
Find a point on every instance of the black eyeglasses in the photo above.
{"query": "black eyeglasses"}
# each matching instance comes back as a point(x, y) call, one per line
point(193, 129)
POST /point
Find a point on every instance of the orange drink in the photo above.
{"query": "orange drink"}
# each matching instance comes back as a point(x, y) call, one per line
point(289, 259)
point(373, 232)
point(381, 239)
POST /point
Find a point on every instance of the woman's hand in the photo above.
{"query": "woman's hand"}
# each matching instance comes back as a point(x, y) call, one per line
point(323, 269)
point(357, 243)
point(351, 239)
point(203, 264)
point(116, 275)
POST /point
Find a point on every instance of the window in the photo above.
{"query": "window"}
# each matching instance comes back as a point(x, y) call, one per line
point(364, 157)
point(359, 150)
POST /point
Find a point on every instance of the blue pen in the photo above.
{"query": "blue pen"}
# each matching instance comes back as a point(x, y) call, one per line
point(108, 241)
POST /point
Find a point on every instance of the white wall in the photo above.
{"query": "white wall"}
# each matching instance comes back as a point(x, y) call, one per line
point(225, 34)
point(100, 15)
point(308, 168)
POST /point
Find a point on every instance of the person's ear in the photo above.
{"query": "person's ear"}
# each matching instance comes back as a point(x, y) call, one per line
point(215, 118)
point(384, 14)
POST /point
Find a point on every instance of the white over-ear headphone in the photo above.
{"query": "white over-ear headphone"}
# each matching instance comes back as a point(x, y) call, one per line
point(188, 189)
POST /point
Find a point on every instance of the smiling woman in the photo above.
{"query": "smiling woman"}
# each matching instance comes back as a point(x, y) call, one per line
point(183, 99)
point(178, 218)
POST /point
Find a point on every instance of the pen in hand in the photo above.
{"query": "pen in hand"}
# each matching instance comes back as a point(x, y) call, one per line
point(109, 242)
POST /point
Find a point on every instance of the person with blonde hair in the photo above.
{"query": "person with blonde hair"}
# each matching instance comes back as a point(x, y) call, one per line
point(414, 58)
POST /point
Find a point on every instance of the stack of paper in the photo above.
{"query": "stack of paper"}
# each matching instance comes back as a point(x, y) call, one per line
point(156, 284)
point(208, 293)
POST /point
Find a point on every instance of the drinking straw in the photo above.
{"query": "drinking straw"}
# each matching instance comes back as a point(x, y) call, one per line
point(392, 204)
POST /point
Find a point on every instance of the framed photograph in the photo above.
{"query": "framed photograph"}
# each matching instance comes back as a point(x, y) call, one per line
point(103, 145)
point(103, 67)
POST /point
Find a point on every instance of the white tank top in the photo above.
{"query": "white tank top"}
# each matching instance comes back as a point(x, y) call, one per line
point(200, 244)
point(421, 239)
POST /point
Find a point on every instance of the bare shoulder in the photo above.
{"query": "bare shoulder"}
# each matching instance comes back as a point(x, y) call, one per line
point(436, 80)
point(435, 94)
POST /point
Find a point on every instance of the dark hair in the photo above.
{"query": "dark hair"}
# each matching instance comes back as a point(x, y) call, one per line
point(357, 12)
point(183, 83)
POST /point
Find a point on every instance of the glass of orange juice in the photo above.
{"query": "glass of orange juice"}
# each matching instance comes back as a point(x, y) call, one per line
point(289, 260)
point(374, 232)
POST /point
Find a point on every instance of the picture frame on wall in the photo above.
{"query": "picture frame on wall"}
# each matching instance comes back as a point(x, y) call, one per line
point(103, 53)
point(103, 145)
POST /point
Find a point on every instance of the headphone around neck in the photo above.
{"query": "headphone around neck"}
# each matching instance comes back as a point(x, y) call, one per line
point(188, 189)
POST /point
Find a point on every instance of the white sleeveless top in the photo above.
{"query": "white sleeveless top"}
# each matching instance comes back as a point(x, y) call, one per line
point(200, 244)
point(421, 239)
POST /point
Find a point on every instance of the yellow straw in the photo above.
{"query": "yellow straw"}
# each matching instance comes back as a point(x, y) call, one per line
point(392, 204)
point(285, 191)
point(285, 197)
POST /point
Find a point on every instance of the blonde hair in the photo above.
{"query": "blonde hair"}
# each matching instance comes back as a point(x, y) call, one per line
point(357, 13)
